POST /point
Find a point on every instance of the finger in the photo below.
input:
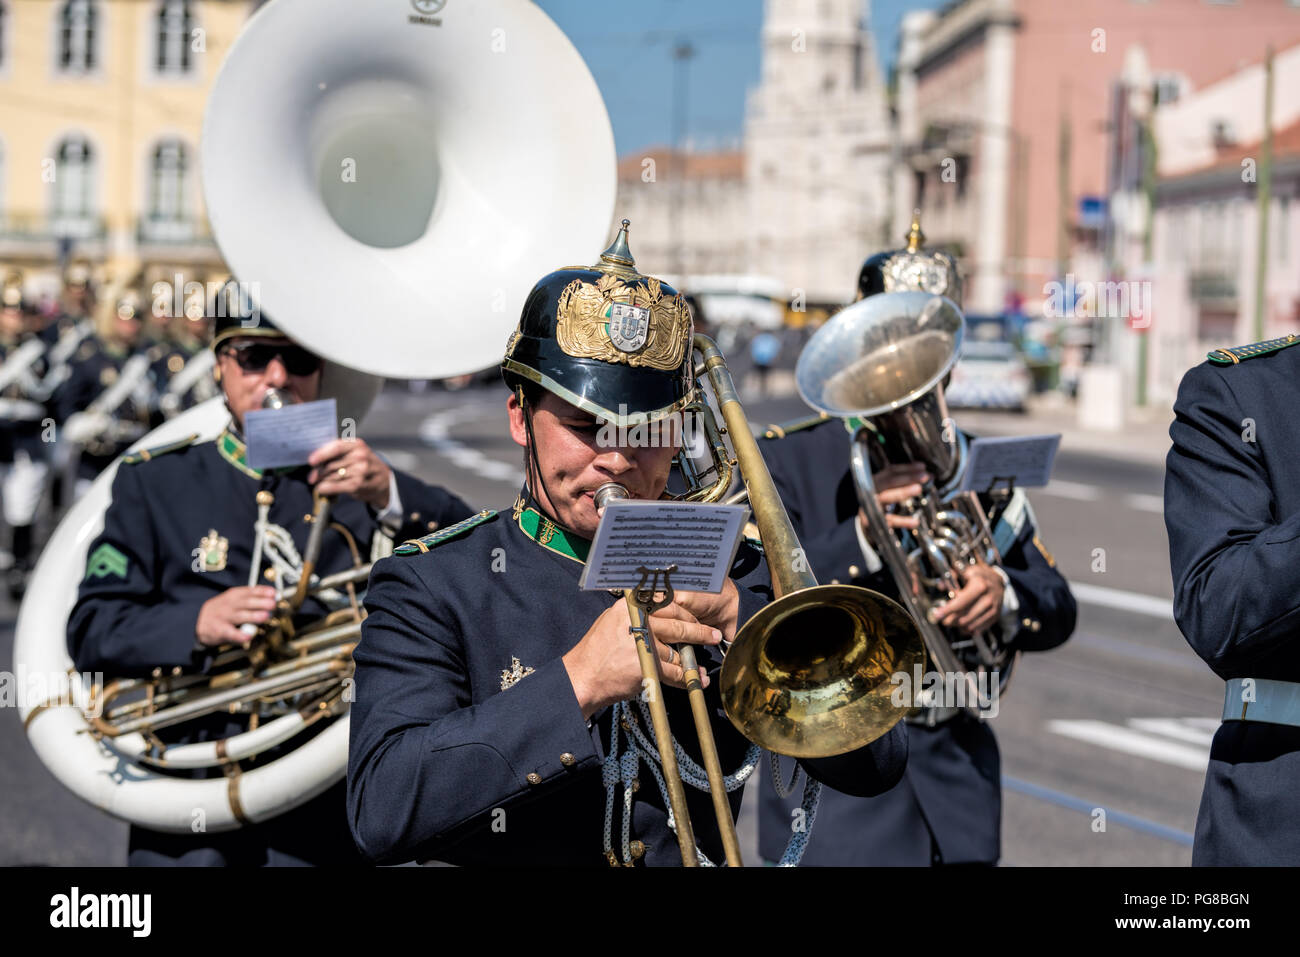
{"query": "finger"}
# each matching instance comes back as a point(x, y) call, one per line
point(674, 611)
point(696, 604)
point(898, 494)
point(980, 614)
point(330, 450)
point(674, 675)
point(902, 521)
point(674, 631)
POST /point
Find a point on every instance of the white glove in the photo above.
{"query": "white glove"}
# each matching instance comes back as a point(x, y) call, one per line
point(81, 427)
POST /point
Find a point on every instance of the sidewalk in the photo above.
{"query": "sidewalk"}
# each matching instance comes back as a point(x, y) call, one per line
point(1144, 438)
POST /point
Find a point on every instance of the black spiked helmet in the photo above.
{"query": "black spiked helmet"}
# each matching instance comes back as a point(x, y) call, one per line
point(237, 316)
point(606, 339)
point(911, 269)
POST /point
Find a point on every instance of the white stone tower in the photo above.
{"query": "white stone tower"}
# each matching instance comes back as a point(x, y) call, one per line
point(818, 148)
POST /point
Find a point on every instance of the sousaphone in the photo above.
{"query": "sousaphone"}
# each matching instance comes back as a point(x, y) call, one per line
point(388, 178)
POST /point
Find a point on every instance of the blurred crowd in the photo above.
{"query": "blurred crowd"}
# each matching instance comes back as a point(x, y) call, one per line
point(82, 376)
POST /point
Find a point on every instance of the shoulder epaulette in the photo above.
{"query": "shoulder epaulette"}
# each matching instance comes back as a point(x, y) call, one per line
point(1231, 357)
point(144, 455)
point(417, 546)
point(795, 425)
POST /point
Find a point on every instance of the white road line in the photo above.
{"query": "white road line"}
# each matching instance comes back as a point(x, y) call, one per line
point(1124, 600)
point(1145, 503)
point(1074, 490)
point(435, 431)
point(1191, 730)
point(1080, 492)
point(400, 459)
point(1130, 741)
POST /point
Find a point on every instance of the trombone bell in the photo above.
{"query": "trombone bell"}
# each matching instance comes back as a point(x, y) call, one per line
point(810, 674)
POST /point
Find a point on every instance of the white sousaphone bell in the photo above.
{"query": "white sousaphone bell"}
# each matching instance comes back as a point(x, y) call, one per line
point(389, 186)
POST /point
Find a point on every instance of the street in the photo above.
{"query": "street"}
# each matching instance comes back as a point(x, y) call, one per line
point(1104, 741)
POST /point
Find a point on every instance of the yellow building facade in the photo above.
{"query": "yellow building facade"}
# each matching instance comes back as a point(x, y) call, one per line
point(101, 110)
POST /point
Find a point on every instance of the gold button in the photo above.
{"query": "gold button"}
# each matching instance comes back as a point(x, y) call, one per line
point(638, 850)
point(433, 526)
point(854, 571)
point(270, 574)
point(534, 777)
point(415, 516)
point(1028, 623)
point(835, 581)
point(1036, 626)
point(567, 759)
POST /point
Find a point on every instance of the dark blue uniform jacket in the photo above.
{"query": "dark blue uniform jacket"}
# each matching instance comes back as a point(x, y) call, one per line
point(438, 745)
point(132, 618)
point(948, 807)
point(1232, 509)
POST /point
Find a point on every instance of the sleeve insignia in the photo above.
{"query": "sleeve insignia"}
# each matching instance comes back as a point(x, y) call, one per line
point(418, 546)
point(1038, 544)
point(106, 560)
point(514, 674)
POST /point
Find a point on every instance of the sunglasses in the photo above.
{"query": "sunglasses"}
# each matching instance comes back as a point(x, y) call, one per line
point(256, 356)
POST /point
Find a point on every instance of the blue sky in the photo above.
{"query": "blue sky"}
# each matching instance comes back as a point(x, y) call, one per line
point(628, 46)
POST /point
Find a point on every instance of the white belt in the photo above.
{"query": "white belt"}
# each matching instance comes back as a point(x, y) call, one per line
point(20, 410)
point(1262, 699)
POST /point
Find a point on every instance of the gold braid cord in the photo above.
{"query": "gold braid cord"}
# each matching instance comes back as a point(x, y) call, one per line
point(582, 326)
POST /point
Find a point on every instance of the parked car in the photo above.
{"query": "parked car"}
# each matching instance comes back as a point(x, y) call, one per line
point(990, 375)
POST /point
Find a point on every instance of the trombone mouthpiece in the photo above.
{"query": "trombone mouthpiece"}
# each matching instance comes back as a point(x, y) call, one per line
point(273, 399)
point(609, 492)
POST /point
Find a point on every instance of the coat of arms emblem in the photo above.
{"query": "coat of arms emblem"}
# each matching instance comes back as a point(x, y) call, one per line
point(212, 551)
point(628, 326)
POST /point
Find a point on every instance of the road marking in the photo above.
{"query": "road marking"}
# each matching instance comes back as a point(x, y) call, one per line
point(1074, 490)
point(1029, 789)
point(1145, 738)
point(1080, 492)
point(435, 431)
point(1193, 730)
point(1132, 601)
point(1145, 503)
point(400, 459)
point(1184, 659)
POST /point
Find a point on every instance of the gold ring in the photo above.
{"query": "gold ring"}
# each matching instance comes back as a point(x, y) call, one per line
point(672, 655)
point(343, 471)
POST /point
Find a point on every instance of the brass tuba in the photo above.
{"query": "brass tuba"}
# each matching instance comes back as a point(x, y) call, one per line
point(388, 187)
point(881, 364)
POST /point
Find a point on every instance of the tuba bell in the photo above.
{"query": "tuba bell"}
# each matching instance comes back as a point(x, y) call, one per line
point(880, 364)
point(388, 187)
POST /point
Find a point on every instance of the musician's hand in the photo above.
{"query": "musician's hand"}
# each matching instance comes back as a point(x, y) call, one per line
point(349, 466)
point(978, 605)
point(895, 484)
point(220, 617)
point(720, 610)
point(604, 666)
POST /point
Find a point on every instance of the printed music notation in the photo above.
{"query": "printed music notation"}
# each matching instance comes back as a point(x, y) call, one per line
point(279, 438)
point(701, 540)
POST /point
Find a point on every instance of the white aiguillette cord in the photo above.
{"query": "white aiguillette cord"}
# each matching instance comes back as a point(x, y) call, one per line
point(272, 400)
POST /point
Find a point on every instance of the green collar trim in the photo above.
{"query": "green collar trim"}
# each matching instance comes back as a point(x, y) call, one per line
point(550, 536)
point(236, 453)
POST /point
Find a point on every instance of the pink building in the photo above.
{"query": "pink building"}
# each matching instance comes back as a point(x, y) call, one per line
point(1007, 115)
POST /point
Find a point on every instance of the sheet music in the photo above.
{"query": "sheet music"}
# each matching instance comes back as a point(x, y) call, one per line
point(280, 438)
point(1028, 459)
point(701, 540)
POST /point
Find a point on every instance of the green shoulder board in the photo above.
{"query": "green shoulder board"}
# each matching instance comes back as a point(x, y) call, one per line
point(418, 546)
point(144, 455)
point(1231, 357)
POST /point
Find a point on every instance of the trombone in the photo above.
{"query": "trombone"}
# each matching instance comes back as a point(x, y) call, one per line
point(809, 675)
